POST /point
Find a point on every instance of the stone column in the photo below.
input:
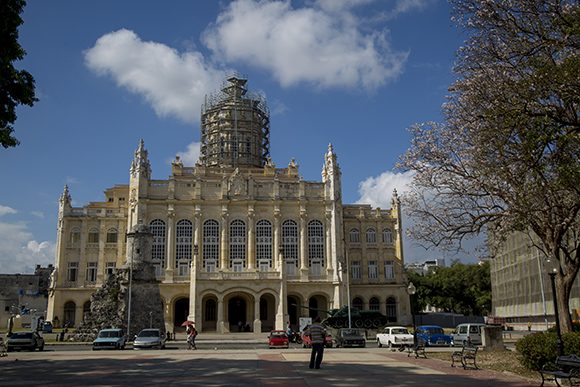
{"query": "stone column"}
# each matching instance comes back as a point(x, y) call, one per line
point(328, 254)
point(221, 326)
point(170, 246)
point(303, 245)
point(276, 239)
point(251, 239)
point(257, 321)
point(224, 248)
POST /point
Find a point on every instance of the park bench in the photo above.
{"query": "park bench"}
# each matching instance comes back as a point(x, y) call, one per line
point(566, 367)
point(467, 357)
point(418, 350)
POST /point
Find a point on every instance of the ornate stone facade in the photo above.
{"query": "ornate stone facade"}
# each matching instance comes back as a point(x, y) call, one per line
point(235, 239)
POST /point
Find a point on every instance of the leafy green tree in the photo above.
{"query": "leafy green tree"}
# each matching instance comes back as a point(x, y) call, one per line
point(507, 157)
point(16, 86)
point(460, 288)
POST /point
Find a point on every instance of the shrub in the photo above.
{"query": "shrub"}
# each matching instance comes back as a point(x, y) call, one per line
point(540, 348)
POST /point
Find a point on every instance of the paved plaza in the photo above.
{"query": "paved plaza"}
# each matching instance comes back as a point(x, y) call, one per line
point(240, 367)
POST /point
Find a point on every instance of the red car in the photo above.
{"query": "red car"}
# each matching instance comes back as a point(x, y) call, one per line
point(307, 343)
point(278, 339)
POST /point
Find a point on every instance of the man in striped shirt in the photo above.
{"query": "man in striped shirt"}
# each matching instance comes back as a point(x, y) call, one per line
point(317, 334)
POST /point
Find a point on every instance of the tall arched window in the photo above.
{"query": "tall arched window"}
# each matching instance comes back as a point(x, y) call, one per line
point(354, 235)
point(264, 245)
point(183, 242)
point(392, 309)
point(374, 304)
point(237, 245)
point(211, 245)
point(112, 235)
point(93, 236)
point(75, 237)
point(387, 236)
point(371, 236)
point(290, 245)
point(157, 228)
point(69, 313)
point(315, 247)
point(357, 303)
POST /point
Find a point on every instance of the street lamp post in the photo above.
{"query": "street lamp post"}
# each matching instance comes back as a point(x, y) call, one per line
point(552, 274)
point(411, 290)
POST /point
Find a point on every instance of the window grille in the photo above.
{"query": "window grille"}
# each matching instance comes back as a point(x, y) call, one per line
point(211, 245)
point(157, 228)
point(264, 245)
point(183, 244)
point(237, 245)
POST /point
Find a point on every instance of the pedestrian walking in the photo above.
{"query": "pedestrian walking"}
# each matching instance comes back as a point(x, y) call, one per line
point(317, 334)
point(191, 335)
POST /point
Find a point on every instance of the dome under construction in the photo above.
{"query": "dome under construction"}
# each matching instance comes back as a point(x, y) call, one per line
point(235, 127)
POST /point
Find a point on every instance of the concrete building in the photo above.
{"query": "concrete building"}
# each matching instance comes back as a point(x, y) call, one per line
point(425, 267)
point(24, 295)
point(235, 239)
point(520, 286)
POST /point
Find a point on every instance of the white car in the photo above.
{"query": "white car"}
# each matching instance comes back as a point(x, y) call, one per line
point(394, 337)
point(149, 338)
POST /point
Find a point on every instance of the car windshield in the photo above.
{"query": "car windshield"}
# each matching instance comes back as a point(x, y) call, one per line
point(110, 334)
point(278, 334)
point(148, 334)
point(350, 332)
point(400, 331)
point(434, 330)
point(22, 335)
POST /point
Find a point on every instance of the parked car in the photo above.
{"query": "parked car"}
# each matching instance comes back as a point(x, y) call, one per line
point(149, 338)
point(25, 340)
point(307, 342)
point(350, 337)
point(468, 333)
point(278, 339)
point(432, 335)
point(110, 339)
point(394, 337)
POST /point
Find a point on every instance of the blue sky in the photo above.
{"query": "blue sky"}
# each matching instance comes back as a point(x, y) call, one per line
point(354, 73)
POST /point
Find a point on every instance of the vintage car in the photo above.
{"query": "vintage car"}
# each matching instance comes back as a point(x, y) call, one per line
point(433, 335)
point(394, 337)
point(149, 338)
point(278, 339)
point(110, 339)
point(307, 342)
point(350, 337)
point(25, 340)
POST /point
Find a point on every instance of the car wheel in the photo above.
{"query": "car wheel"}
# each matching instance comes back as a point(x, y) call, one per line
point(390, 345)
point(379, 344)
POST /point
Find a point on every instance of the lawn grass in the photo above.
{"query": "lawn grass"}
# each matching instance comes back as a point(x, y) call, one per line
point(498, 360)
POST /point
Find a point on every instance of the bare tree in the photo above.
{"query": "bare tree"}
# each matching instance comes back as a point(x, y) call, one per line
point(507, 157)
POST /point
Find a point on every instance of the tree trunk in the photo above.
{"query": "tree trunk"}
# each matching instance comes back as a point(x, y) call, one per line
point(563, 289)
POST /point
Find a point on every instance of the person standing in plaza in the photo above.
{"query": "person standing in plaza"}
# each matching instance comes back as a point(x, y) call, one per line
point(317, 334)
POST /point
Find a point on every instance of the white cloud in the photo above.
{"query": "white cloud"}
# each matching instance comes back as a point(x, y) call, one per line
point(190, 156)
point(320, 45)
point(173, 83)
point(19, 252)
point(377, 191)
point(4, 210)
point(38, 214)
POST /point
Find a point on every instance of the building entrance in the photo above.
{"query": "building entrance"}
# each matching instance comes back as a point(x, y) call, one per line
point(180, 311)
point(237, 314)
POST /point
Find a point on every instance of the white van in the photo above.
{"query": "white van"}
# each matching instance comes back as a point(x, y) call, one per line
point(468, 332)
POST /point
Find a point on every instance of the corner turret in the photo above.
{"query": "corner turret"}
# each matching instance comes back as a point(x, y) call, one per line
point(139, 183)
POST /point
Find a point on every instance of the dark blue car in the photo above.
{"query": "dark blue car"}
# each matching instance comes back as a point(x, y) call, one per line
point(433, 335)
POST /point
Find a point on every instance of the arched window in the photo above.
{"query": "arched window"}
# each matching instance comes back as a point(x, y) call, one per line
point(237, 245)
point(374, 304)
point(69, 313)
point(371, 236)
point(112, 235)
point(387, 236)
point(183, 242)
point(354, 235)
point(157, 228)
point(290, 245)
point(93, 236)
point(392, 309)
point(357, 303)
point(264, 245)
point(315, 247)
point(75, 237)
point(211, 245)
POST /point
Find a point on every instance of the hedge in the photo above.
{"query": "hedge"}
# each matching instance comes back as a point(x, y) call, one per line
point(540, 348)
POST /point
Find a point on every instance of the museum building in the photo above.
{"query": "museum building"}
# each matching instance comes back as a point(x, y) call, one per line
point(235, 239)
